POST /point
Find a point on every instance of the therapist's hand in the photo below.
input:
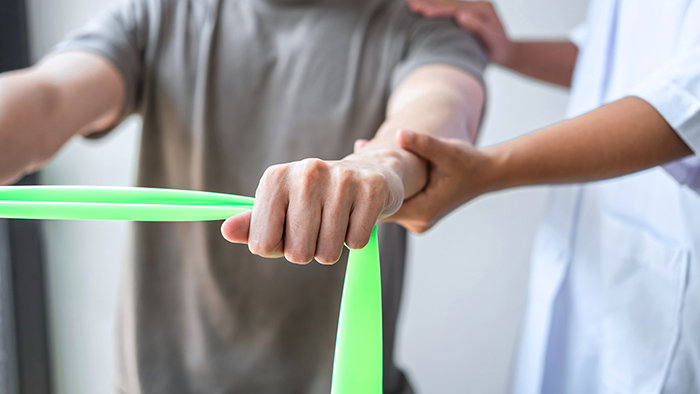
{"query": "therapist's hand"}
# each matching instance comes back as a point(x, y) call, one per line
point(458, 173)
point(308, 209)
point(478, 17)
point(548, 61)
point(619, 138)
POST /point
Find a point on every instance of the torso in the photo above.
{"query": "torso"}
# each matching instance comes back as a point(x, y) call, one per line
point(261, 84)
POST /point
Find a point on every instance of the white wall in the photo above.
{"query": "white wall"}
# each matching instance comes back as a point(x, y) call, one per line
point(466, 281)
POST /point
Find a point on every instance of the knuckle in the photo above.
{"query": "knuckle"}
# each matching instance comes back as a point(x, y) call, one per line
point(375, 193)
point(271, 179)
point(313, 166)
point(356, 243)
point(420, 229)
point(274, 172)
point(345, 186)
point(344, 178)
point(353, 243)
point(298, 256)
point(425, 219)
point(261, 248)
point(359, 239)
point(327, 258)
point(374, 183)
point(312, 171)
point(415, 226)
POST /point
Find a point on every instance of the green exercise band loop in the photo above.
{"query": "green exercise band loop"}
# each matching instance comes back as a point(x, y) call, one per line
point(357, 365)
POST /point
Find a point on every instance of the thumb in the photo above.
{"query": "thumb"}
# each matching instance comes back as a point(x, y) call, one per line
point(237, 228)
point(423, 145)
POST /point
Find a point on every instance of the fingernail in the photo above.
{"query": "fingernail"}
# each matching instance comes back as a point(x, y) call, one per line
point(408, 134)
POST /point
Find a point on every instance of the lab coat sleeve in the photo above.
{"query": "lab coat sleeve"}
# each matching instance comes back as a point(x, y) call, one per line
point(674, 91)
point(579, 34)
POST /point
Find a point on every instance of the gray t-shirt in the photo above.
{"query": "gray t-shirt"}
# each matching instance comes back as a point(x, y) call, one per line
point(227, 88)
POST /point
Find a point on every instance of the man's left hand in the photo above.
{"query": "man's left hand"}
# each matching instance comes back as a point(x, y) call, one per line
point(308, 209)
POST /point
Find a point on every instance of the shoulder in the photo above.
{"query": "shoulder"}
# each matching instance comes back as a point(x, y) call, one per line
point(415, 28)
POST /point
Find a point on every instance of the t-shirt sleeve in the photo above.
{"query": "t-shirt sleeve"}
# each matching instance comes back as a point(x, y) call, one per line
point(433, 41)
point(579, 34)
point(121, 36)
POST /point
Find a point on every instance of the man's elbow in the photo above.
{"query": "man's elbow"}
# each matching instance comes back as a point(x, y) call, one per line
point(452, 92)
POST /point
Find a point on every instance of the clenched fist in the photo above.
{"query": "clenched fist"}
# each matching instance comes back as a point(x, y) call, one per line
point(308, 209)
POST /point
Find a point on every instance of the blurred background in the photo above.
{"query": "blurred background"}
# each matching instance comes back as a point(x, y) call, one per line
point(466, 280)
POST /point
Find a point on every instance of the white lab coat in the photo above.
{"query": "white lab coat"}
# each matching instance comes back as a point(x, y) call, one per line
point(614, 299)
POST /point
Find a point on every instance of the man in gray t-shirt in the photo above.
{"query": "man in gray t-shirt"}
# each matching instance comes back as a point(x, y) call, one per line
point(227, 88)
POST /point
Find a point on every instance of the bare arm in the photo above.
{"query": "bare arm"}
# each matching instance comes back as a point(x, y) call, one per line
point(617, 139)
point(551, 62)
point(438, 100)
point(310, 208)
point(42, 107)
point(623, 137)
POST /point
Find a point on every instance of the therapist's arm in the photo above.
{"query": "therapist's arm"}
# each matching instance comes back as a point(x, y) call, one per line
point(42, 107)
point(308, 209)
point(548, 61)
point(620, 138)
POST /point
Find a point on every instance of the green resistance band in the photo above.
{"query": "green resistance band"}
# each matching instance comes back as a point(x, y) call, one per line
point(357, 366)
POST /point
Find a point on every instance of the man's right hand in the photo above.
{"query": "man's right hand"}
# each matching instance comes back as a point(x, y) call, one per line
point(44, 106)
point(478, 17)
point(308, 209)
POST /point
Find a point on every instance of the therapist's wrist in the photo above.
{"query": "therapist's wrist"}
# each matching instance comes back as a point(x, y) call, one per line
point(506, 54)
point(496, 171)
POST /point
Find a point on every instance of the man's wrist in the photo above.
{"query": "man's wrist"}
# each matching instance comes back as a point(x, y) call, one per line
point(409, 168)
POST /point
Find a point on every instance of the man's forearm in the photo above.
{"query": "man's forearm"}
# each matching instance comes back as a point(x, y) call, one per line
point(44, 106)
point(551, 62)
point(623, 137)
point(25, 104)
point(437, 100)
